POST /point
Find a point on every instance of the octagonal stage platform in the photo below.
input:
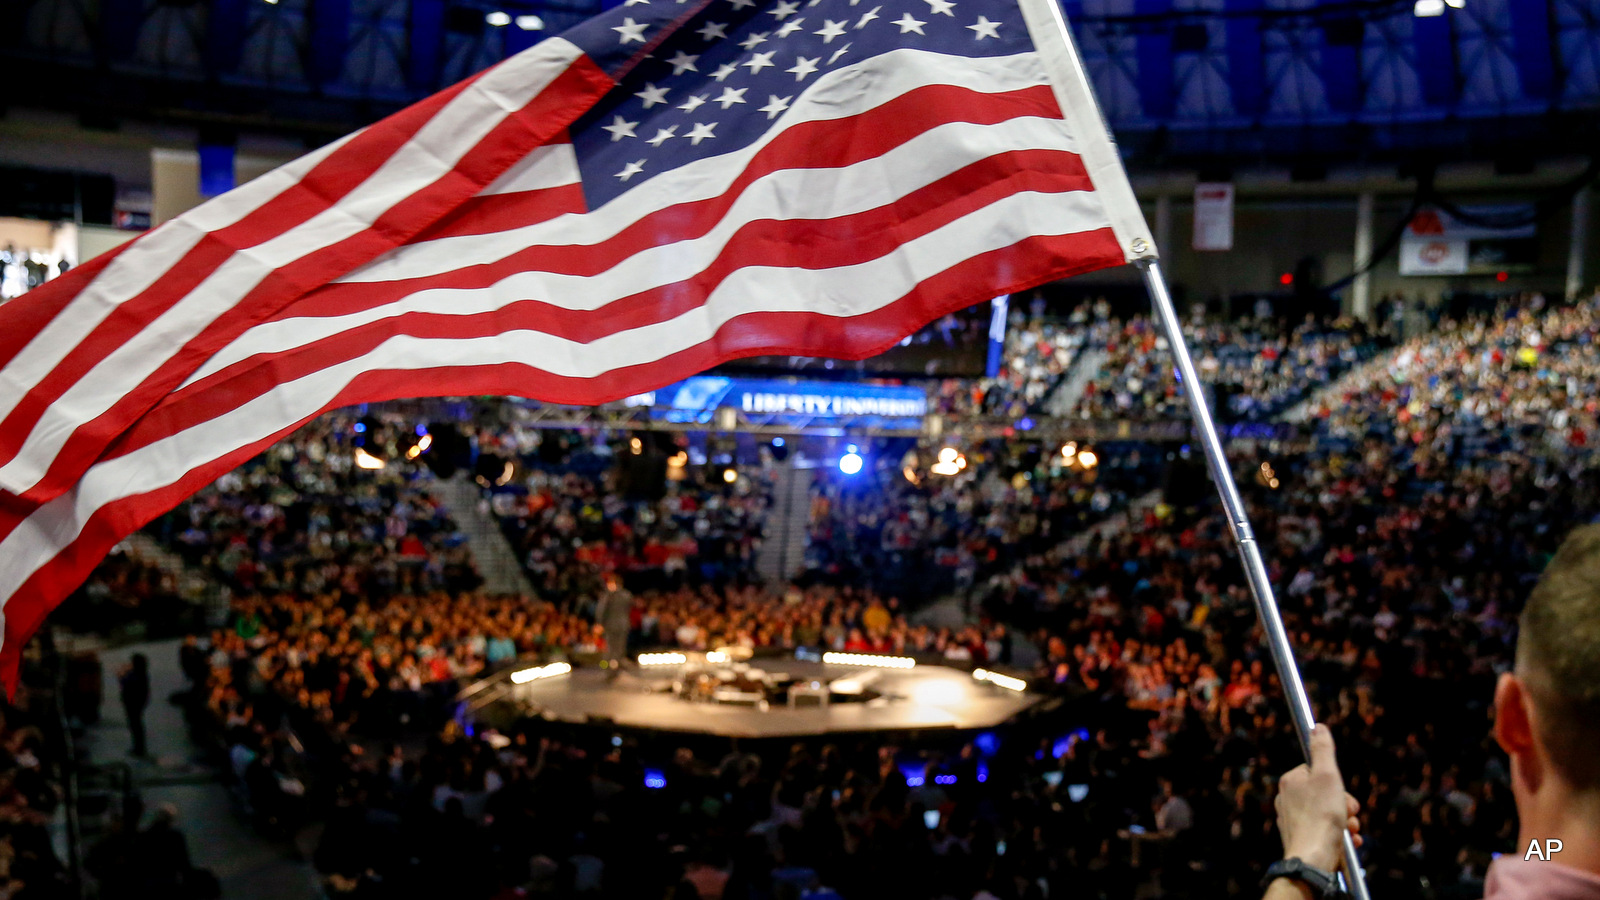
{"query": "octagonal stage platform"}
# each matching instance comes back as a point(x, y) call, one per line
point(804, 696)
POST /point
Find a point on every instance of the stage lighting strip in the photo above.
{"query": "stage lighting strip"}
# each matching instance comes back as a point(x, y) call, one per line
point(867, 659)
point(995, 678)
point(662, 659)
point(523, 676)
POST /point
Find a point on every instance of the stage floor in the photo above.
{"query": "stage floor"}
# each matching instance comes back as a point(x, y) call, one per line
point(638, 697)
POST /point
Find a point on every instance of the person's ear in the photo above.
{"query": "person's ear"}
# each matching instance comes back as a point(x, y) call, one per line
point(1514, 726)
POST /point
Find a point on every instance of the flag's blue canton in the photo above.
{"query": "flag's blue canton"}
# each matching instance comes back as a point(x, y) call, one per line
point(716, 84)
point(618, 36)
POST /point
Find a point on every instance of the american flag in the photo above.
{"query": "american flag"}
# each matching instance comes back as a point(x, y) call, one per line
point(665, 187)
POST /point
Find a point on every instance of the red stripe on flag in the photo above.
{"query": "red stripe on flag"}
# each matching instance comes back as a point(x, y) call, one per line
point(489, 213)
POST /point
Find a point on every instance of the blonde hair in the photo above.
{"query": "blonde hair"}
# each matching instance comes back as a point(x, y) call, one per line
point(1558, 655)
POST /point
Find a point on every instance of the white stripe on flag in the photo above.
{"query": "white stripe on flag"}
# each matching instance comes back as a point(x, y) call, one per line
point(1047, 26)
point(552, 165)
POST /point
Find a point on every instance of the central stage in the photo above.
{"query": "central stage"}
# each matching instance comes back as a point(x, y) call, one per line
point(923, 697)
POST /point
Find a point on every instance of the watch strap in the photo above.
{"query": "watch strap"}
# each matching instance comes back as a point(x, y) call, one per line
point(1322, 884)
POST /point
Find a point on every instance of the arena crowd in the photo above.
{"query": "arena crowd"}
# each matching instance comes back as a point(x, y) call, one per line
point(1403, 532)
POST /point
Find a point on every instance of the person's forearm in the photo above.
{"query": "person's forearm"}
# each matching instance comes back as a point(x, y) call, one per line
point(1287, 889)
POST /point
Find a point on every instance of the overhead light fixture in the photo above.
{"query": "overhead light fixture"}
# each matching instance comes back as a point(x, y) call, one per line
point(523, 676)
point(420, 447)
point(998, 680)
point(1088, 459)
point(498, 18)
point(716, 656)
point(850, 463)
point(662, 659)
point(1428, 8)
point(868, 659)
point(530, 23)
point(950, 462)
point(366, 460)
point(730, 475)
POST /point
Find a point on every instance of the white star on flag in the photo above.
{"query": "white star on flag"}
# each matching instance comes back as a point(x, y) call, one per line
point(868, 17)
point(700, 132)
point(723, 71)
point(741, 4)
point(651, 95)
point(682, 62)
point(830, 31)
point(941, 7)
point(784, 10)
point(731, 96)
point(630, 30)
point(775, 105)
point(713, 30)
point(755, 40)
point(984, 28)
point(790, 27)
point(694, 103)
point(907, 23)
point(620, 128)
point(663, 135)
point(631, 169)
point(838, 53)
point(637, 3)
point(760, 61)
point(803, 67)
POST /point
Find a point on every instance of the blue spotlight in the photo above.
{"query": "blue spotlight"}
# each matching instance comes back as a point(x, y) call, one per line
point(850, 463)
point(777, 442)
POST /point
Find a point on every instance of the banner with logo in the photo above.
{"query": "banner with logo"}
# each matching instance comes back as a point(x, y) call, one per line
point(1213, 216)
point(1437, 243)
point(789, 402)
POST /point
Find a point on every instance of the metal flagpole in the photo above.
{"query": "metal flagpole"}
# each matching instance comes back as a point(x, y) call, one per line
point(1255, 569)
point(1070, 81)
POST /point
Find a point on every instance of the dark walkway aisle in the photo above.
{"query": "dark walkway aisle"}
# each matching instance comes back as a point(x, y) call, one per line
point(249, 867)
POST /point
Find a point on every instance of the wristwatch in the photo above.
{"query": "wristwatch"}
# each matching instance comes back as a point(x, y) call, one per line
point(1322, 884)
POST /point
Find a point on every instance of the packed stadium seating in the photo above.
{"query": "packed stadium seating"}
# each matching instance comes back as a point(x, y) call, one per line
point(1403, 531)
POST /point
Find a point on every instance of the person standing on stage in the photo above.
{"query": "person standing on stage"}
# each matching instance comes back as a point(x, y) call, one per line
point(614, 613)
point(1547, 720)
